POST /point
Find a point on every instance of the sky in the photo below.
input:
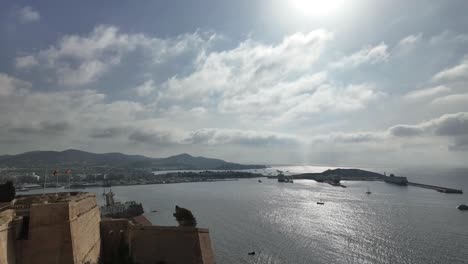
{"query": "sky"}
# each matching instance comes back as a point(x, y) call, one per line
point(336, 82)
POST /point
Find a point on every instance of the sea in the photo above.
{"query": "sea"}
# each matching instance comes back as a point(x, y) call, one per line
point(283, 223)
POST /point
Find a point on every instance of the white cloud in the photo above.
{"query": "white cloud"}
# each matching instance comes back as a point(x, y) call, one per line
point(252, 138)
point(25, 62)
point(10, 85)
point(27, 15)
point(410, 40)
point(445, 125)
point(331, 98)
point(451, 99)
point(80, 60)
point(427, 92)
point(459, 71)
point(267, 80)
point(145, 88)
point(370, 55)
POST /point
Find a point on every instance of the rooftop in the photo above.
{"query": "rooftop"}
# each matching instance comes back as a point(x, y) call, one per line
point(51, 198)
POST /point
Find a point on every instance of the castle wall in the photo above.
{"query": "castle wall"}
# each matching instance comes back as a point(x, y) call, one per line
point(205, 246)
point(7, 237)
point(152, 244)
point(84, 226)
point(65, 232)
point(114, 240)
point(49, 239)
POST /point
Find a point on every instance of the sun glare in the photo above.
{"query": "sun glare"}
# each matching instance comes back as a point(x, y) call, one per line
point(317, 8)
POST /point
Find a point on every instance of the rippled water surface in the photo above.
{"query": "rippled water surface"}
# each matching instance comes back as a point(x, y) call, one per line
point(282, 223)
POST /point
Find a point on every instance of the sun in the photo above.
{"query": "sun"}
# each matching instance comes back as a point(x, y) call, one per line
point(317, 8)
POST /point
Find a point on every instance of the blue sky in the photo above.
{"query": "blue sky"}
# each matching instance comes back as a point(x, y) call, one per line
point(327, 82)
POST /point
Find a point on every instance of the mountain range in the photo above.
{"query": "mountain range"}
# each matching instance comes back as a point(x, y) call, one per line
point(73, 157)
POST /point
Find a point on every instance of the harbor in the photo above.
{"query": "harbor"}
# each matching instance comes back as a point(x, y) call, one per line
point(437, 188)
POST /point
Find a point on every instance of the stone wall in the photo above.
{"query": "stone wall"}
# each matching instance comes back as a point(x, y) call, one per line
point(114, 240)
point(48, 239)
point(66, 232)
point(158, 244)
point(84, 226)
point(205, 246)
point(7, 237)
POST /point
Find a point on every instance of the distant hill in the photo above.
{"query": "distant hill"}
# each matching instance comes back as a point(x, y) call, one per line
point(73, 157)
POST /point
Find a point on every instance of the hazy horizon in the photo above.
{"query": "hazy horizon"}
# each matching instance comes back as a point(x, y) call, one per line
point(258, 82)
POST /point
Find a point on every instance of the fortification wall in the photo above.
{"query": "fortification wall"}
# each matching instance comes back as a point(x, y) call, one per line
point(7, 237)
point(84, 226)
point(65, 232)
point(48, 239)
point(114, 240)
point(153, 244)
point(205, 246)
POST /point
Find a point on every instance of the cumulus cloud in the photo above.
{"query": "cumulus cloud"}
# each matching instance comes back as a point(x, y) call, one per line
point(406, 130)
point(446, 125)
point(257, 79)
point(356, 137)
point(27, 14)
point(370, 55)
point(10, 85)
point(457, 72)
point(451, 99)
point(82, 59)
point(410, 40)
point(145, 88)
point(427, 92)
point(26, 62)
point(239, 137)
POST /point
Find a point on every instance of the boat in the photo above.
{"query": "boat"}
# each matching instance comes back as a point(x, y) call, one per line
point(320, 202)
point(252, 253)
point(154, 211)
point(281, 177)
point(259, 180)
point(115, 209)
point(368, 190)
point(462, 207)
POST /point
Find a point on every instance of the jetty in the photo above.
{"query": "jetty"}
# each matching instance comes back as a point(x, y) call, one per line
point(437, 188)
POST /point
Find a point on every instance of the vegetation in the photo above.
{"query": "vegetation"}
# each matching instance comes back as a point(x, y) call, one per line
point(185, 217)
point(7, 192)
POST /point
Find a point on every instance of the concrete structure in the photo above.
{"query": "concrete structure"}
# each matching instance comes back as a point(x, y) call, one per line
point(67, 228)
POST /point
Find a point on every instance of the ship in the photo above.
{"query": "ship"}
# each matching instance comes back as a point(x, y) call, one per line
point(281, 177)
point(114, 209)
point(398, 180)
point(462, 207)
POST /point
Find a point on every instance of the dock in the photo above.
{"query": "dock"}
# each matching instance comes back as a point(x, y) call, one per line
point(437, 188)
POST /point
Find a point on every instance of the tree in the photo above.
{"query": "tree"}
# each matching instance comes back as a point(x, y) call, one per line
point(185, 217)
point(7, 192)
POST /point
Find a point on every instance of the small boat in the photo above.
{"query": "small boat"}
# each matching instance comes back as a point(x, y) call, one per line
point(462, 207)
point(320, 202)
point(154, 211)
point(368, 190)
point(259, 180)
point(252, 253)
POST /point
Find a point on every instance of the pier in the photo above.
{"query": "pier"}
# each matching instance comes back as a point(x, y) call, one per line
point(437, 188)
